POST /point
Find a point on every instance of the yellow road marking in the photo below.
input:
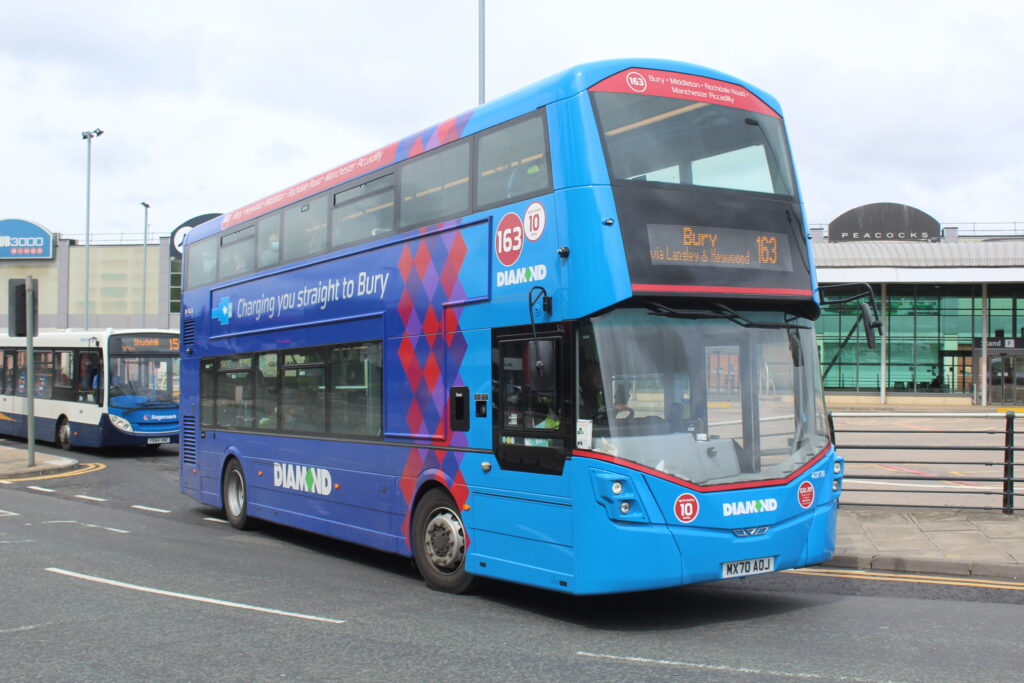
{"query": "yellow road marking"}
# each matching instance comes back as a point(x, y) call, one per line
point(863, 575)
point(85, 469)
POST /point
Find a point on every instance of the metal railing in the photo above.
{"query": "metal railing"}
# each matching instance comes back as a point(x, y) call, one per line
point(975, 447)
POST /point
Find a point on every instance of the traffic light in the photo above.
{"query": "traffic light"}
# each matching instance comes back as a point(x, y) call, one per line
point(17, 310)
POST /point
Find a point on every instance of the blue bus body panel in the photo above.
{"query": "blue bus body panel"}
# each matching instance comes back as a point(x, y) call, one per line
point(432, 297)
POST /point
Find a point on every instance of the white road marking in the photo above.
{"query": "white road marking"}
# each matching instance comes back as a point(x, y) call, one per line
point(214, 519)
point(733, 669)
point(148, 509)
point(86, 525)
point(194, 598)
point(8, 513)
point(21, 628)
point(84, 497)
point(40, 488)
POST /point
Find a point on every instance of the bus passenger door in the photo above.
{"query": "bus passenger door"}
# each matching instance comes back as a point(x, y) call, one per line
point(521, 521)
point(531, 419)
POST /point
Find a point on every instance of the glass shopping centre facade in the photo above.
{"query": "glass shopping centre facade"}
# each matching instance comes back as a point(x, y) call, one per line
point(952, 305)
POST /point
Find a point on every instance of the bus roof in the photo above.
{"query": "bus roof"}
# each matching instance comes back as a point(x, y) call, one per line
point(560, 86)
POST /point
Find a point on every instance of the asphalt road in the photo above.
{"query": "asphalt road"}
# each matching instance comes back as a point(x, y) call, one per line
point(134, 581)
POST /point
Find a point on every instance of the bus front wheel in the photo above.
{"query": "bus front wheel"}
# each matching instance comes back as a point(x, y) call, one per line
point(235, 494)
point(63, 435)
point(439, 543)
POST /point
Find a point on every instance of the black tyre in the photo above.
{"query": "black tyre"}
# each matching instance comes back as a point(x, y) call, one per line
point(236, 496)
point(439, 543)
point(63, 434)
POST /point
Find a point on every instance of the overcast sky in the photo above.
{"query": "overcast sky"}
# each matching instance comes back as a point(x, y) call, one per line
point(208, 105)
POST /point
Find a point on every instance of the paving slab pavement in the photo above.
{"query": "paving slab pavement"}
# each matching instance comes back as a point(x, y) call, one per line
point(930, 540)
point(924, 540)
point(14, 463)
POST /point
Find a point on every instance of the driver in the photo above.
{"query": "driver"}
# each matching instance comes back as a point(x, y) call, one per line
point(621, 397)
point(591, 392)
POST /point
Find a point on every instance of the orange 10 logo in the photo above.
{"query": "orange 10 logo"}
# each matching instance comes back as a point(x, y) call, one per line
point(508, 239)
point(687, 508)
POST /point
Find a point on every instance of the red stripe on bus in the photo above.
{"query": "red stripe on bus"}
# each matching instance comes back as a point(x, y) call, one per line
point(691, 289)
point(695, 487)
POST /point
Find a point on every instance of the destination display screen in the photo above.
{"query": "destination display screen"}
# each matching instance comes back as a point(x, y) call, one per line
point(691, 246)
point(144, 343)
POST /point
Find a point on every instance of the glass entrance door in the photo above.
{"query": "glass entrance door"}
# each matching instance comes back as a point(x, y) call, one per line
point(1005, 379)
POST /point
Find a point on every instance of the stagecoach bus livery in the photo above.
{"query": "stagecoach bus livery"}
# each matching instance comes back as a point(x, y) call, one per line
point(93, 388)
point(563, 339)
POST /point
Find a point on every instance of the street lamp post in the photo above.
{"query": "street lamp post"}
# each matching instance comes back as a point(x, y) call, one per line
point(88, 136)
point(145, 252)
point(480, 61)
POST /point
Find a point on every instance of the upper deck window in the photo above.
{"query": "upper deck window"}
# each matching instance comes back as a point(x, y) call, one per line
point(436, 186)
point(666, 140)
point(512, 162)
point(363, 212)
point(305, 228)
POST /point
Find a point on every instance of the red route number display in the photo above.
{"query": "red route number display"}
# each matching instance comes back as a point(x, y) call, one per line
point(508, 239)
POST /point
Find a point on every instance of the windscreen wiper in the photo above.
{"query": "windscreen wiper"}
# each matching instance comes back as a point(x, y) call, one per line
point(723, 313)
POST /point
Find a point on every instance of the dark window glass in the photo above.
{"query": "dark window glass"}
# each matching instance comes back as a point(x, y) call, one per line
point(238, 253)
point(665, 140)
point(512, 162)
point(44, 374)
point(8, 371)
point(522, 406)
point(64, 369)
point(234, 399)
point(202, 263)
point(305, 229)
point(268, 241)
point(305, 357)
point(363, 212)
point(355, 403)
point(20, 372)
point(266, 391)
point(207, 386)
point(302, 399)
point(90, 376)
point(436, 186)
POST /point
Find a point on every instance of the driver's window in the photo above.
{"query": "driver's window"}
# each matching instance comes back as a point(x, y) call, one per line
point(524, 406)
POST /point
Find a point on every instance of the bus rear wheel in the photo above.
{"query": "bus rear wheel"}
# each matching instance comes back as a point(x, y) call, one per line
point(235, 495)
point(439, 543)
point(63, 434)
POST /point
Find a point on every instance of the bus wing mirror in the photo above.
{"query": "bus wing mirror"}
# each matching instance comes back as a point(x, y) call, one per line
point(541, 358)
point(870, 324)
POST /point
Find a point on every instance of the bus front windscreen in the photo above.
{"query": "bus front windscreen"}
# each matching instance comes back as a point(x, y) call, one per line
point(144, 381)
point(699, 396)
point(652, 139)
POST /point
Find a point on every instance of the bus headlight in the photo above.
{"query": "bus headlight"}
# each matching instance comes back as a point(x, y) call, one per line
point(121, 423)
point(618, 495)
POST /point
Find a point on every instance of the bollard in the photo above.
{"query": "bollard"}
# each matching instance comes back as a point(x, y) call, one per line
point(1008, 472)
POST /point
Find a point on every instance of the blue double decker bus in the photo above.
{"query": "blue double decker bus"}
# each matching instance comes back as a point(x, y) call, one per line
point(564, 339)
